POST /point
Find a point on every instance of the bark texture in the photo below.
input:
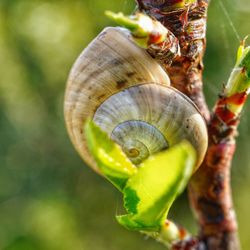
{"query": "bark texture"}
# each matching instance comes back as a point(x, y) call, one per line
point(210, 192)
point(188, 24)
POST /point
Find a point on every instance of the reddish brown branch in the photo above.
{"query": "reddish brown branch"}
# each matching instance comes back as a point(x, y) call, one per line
point(210, 192)
point(189, 26)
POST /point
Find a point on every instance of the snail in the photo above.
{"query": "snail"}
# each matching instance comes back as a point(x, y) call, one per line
point(128, 95)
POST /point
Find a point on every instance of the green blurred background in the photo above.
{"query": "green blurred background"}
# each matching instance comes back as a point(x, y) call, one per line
point(49, 200)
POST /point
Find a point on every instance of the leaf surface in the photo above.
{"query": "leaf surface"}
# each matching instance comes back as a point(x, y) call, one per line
point(110, 159)
point(149, 193)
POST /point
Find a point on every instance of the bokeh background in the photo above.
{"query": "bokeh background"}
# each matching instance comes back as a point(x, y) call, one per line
point(49, 200)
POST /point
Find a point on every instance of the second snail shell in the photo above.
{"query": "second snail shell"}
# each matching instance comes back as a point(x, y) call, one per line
point(128, 95)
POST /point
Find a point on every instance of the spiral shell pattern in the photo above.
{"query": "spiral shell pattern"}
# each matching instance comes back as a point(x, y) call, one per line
point(151, 117)
point(127, 94)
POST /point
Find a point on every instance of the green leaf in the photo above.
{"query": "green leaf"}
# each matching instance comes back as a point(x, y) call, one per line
point(245, 60)
point(240, 53)
point(149, 193)
point(110, 159)
point(121, 19)
point(239, 80)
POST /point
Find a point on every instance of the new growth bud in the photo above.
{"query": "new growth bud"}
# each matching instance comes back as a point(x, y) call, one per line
point(144, 30)
point(149, 34)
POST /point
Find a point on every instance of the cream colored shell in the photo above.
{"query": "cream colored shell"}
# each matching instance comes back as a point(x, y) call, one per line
point(159, 116)
point(111, 63)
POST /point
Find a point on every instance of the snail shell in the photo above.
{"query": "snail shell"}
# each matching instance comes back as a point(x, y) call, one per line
point(128, 95)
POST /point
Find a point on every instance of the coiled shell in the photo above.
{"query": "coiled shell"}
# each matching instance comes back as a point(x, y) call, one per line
point(127, 94)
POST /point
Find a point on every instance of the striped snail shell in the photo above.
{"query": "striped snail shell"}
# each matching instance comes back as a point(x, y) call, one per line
point(129, 96)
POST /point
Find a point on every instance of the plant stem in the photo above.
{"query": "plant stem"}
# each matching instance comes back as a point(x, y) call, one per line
point(210, 188)
point(188, 24)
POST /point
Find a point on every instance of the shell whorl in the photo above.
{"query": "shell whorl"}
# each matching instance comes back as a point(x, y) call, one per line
point(127, 94)
point(160, 114)
point(110, 63)
point(138, 139)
